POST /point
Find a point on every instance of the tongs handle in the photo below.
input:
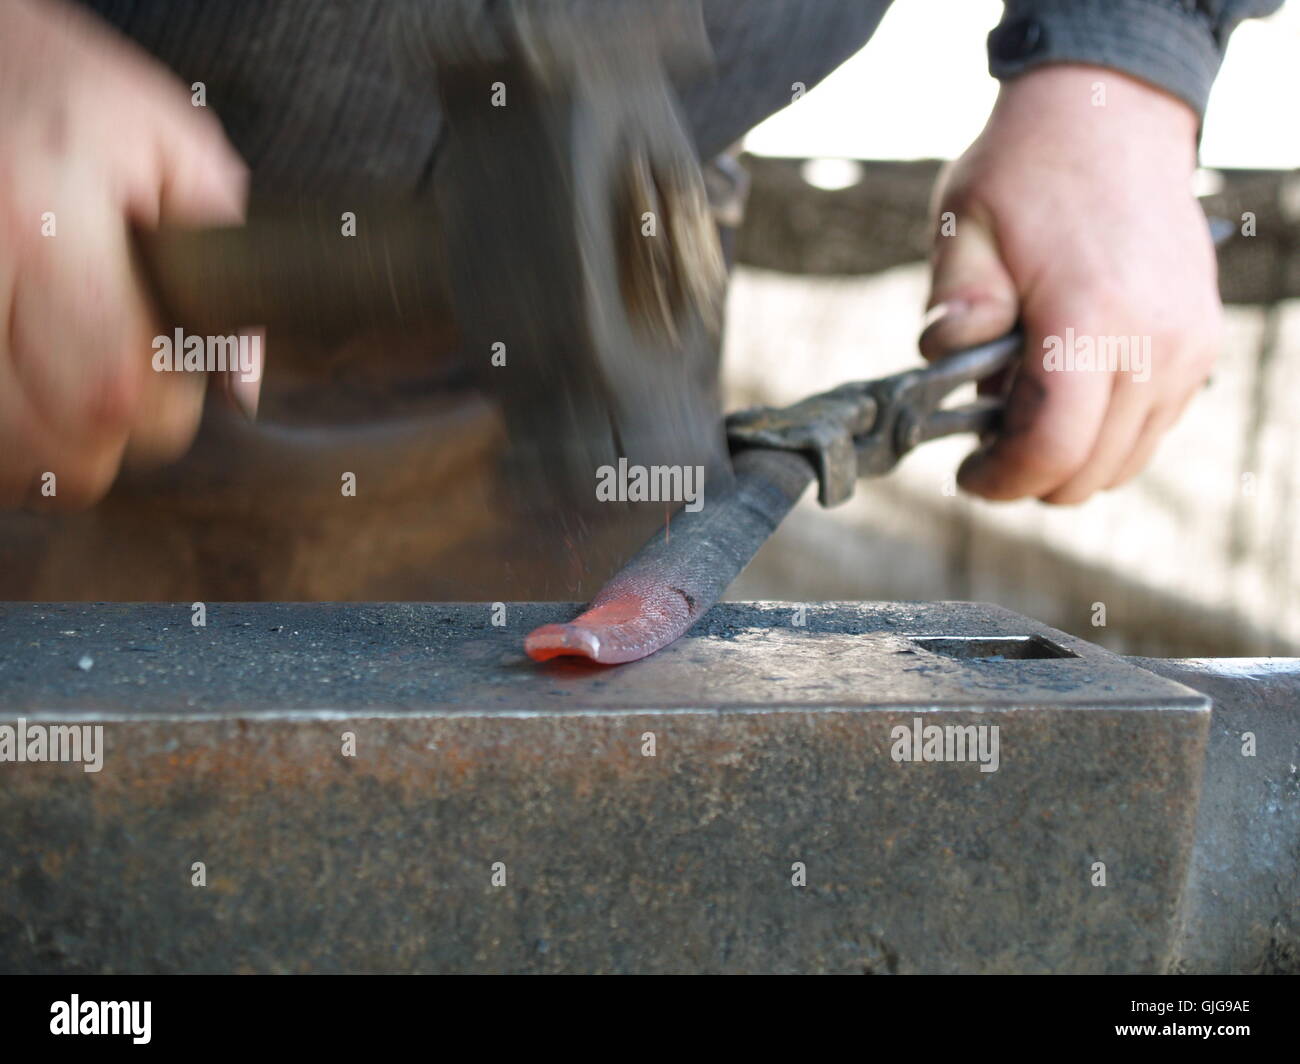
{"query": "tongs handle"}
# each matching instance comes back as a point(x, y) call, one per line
point(981, 416)
point(922, 418)
point(863, 428)
point(975, 363)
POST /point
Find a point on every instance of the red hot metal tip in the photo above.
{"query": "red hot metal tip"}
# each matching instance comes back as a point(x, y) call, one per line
point(623, 624)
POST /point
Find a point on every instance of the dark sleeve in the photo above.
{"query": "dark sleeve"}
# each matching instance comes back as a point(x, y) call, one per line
point(1176, 45)
point(761, 49)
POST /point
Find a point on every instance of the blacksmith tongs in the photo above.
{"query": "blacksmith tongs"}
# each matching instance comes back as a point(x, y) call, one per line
point(864, 428)
point(859, 429)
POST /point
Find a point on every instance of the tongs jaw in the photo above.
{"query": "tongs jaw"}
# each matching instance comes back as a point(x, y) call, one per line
point(863, 429)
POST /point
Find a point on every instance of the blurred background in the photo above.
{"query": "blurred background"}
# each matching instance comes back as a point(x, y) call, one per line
point(1200, 555)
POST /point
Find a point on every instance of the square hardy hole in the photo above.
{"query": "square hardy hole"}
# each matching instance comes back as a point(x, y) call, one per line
point(992, 647)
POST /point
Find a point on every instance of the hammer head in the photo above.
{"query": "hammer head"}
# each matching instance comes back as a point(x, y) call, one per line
point(583, 260)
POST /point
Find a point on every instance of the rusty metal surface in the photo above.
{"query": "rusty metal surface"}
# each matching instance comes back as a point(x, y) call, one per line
point(1242, 902)
point(223, 745)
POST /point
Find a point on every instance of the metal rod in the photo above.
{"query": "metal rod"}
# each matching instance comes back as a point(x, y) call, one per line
point(674, 580)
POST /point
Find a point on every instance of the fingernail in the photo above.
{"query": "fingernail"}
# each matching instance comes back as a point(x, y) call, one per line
point(951, 308)
point(244, 384)
point(244, 394)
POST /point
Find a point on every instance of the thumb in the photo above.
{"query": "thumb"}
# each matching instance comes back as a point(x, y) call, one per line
point(972, 296)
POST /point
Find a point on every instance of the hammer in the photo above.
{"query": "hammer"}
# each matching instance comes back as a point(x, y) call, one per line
point(567, 237)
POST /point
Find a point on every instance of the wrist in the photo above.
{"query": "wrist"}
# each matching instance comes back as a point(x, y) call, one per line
point(1086, 109)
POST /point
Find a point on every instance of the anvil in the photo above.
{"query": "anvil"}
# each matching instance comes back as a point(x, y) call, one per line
point(393, 787)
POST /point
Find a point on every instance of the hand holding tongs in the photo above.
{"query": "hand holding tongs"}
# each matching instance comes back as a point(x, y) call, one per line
point(862, 429)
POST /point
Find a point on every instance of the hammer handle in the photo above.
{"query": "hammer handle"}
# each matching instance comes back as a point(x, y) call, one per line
point(296, 271)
